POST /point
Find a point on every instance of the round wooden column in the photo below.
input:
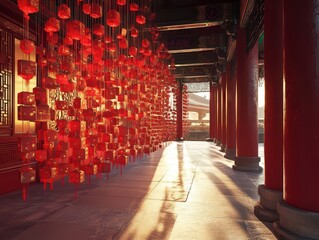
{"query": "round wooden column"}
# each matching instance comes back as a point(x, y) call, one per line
point(271, 192)
point(231, 112)
point(247, 100)
point(212, 112)
point(223, 112)
point(219, 116)
point(179, 108)
point(299, 212)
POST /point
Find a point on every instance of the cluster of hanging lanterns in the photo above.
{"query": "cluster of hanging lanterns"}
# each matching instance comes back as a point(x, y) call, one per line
point(185, 115)
point(104, 88)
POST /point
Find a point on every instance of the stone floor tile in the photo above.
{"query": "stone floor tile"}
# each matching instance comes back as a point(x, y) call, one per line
point(199, 228)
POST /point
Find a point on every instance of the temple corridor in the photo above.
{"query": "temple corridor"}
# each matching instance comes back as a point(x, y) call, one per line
point(187, 190)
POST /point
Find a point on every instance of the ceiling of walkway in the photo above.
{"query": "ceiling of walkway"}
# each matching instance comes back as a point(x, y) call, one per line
point(197, 33)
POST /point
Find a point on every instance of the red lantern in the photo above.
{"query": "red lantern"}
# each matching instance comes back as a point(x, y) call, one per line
point(134, 32)
point(62, 123)
point(43, 113)
point(62, 78)
point(86, 8)
point(134, 7)
point(80, 154)
point(64, 11)
point(140, 19)
point(86, 40)
point(40, 94)
point(26, 46)
point(101, 147)
point(68, 41)
point(132, 51)
point(63, 169)
point(122, 160)
point(42, 61)
point(106, 167)
point(147, 52)
point(27, 175)
point(50, 83)
point(27, 156)
point(67, 88)
point(48, 174)
point(90, 169)
point(121, 2)
point(109, 155)
point(90, 150)
point(26, 69)
point(123, 131)
point(52, 25)
point(52, 38)
point(146, 43)
point(41, 155)
point(96, 10)
point(97, 49)
point(26, 98)
point(133, 152)
point(28, 6)
point(112, 47)
point(77, 103)
point(92, 140)
point(113, 18)
point(76, 176)
point(107, 137)
point(61, 105)
point(50, 135)
point(63, 50)
point(90, 92)
point(75, 30)
point(40, 50)
point(27, 113)
point(75, 125)
point(27, 143)
point(98, 30)
point(108, 39)
point(123, 43)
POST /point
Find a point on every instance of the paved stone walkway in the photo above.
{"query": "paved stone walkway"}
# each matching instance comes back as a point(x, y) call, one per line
point(186, 191)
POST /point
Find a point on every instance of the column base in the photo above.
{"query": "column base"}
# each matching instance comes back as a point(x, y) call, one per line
point(222, 148)
point(266, 209)
point(295, 223)
point(247, 164)
point(210, 139)
point(230, 154)
point(179, 139)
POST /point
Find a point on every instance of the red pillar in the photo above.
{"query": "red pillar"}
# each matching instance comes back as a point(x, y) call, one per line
point(247, 99)
point(212, 112)
point(271, 192)
point(230, 112)
point(219, 116)
point(299, 212)
point(215, 117)
point(223, 112)
point(179, 108)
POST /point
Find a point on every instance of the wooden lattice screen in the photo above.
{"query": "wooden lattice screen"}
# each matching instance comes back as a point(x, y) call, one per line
point(6, 66)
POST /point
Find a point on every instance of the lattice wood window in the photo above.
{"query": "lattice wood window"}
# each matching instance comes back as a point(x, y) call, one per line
point(6, 60)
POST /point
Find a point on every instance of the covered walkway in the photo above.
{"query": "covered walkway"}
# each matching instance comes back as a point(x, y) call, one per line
point(188, 190)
